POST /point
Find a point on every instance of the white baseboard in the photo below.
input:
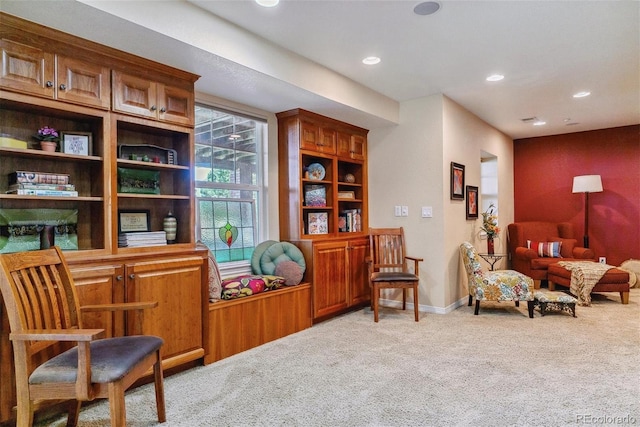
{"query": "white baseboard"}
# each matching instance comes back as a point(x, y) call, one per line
point(426, 308)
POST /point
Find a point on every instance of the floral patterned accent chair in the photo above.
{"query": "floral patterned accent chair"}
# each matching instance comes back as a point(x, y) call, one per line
point(500, 285)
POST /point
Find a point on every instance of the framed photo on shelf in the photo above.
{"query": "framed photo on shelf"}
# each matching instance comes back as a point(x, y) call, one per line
point(132, 221)
point(317, 223)
point(73, 142)
point(457, 181)
point(346, 195)
point(315, 195)
point(472, 202)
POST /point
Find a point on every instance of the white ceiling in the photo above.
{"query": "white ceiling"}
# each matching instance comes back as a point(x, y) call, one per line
point(307, 54)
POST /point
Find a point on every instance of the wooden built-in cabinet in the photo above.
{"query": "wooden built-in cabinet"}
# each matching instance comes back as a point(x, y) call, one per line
point(39, 72)
point(31, 97)
point(338, 272)
point(325, 213)
point(150, 99)
point(49, 78)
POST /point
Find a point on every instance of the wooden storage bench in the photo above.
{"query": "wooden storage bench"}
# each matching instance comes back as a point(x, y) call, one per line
point(241, 324)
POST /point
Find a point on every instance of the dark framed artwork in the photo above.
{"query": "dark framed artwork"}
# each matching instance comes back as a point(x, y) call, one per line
point(457, 181)
point(133, 221)
point(472, 202)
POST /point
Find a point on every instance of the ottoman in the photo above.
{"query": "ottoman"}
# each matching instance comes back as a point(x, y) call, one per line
point(614, 280)
point(554, 300)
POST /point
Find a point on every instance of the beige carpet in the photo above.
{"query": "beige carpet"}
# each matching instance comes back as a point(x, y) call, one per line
point(496, 369)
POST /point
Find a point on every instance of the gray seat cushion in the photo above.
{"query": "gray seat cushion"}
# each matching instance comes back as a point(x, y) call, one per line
point(398, 276)
point(111, 359)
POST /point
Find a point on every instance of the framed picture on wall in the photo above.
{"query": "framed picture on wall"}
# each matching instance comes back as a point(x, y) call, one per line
point(472, 202)
point(457, 181)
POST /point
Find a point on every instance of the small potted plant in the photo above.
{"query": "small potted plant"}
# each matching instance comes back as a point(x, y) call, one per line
point(48, 138)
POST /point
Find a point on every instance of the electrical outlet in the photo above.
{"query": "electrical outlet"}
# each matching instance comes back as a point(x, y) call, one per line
point(405, 211)
point(427, 212)
point(398, 210)
point(603, 260)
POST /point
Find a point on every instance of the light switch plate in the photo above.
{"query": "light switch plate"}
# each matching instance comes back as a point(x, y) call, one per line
point(603, 260)
point(405, 211)
point(397, 210)
point(427, 212)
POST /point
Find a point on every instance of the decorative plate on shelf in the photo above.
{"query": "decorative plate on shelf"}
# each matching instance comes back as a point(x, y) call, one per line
point(316, 171)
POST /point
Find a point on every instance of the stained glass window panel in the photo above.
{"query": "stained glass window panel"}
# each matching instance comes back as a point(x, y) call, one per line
point(228, 153)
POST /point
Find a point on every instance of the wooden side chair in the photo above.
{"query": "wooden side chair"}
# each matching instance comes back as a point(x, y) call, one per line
point(388, 267)
point(45, 318)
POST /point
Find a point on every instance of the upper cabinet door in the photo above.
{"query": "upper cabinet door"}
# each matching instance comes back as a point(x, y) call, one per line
point(175, 105)
point(351, 146)
point(328, 140)
point(358, 147)
point(27, 69)
point(343, 147)
point(309, 136)
point(134, 95)
point(83, 83)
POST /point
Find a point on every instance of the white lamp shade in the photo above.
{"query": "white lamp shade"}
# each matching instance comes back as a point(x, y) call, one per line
point(587, 184)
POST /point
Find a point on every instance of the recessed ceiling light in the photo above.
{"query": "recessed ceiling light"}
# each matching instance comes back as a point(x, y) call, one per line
point(495, 77)
point(426, 8)
point(268, 3)
point(581, 94)
point(539, 123)
point(371, 60)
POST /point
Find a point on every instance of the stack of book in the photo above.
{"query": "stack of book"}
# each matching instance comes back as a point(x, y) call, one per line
point(25, 183)
point(142, 238)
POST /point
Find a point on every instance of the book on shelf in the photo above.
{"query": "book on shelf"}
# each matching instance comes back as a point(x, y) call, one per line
point(142, 238)
point(342, 222)
point(350, 220)
point(318, 223)
point(34, 186)
point(43, 192)
point(38, 177)
point(315, 195)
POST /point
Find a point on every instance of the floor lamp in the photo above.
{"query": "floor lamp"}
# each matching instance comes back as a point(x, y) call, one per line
point(587, 184)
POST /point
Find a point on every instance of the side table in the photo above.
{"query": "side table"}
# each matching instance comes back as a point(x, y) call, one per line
point(492, 259)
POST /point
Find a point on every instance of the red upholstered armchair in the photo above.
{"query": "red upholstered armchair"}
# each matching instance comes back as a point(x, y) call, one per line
point(530, 261)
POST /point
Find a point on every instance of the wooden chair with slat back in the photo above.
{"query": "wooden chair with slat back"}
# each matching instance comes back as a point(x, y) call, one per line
point(45, 320)
point(388, 267)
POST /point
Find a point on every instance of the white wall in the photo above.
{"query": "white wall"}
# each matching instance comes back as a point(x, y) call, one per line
point(409, 164)
point(405, 168)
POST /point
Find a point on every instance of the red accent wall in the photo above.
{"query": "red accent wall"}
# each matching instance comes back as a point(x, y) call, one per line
point(544, 168)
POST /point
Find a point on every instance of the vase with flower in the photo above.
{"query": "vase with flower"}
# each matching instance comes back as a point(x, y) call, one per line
point(490, 227)
point(48, 138)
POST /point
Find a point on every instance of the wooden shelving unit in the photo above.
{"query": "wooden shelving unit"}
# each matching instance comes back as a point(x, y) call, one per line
point(335, 252)
point(61, 81)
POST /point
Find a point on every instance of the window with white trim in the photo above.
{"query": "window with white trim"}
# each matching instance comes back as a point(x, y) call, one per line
point(228, 181)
